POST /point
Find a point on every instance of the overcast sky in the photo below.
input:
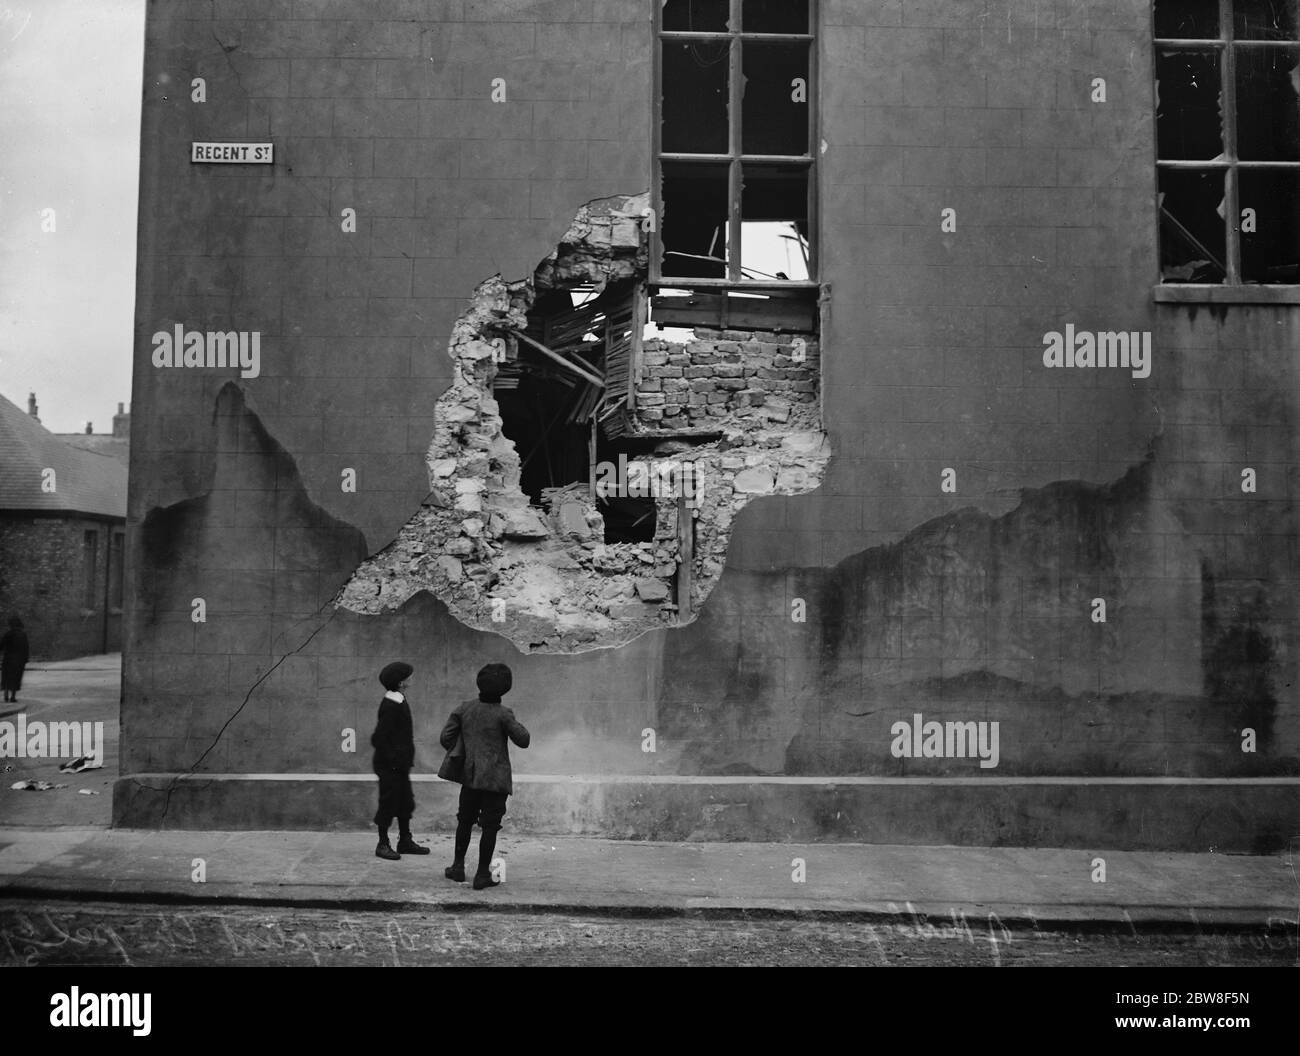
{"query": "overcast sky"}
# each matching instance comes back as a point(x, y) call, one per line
point(70, 86)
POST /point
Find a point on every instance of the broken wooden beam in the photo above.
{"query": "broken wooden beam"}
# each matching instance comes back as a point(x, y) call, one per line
point(790, 314)
point(567, 364)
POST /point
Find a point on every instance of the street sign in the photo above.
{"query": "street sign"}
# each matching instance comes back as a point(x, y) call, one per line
point(232, 153)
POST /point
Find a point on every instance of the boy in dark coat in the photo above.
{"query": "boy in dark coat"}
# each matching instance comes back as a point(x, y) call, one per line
point(485, 725)
point(394, 744)
point(14, 655)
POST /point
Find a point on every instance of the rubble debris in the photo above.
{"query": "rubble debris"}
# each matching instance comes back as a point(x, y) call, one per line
point(84, 762)
point(34, 786)
point(515, 535)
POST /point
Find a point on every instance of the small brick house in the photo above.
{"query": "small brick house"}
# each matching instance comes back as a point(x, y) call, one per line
point(62, 530)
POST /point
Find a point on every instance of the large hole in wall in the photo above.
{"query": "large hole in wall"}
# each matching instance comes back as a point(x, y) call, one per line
point(596, 442)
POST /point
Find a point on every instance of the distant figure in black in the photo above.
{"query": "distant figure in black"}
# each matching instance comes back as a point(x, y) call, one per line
point(14, 654)
point(394, 744)
point(480, 729)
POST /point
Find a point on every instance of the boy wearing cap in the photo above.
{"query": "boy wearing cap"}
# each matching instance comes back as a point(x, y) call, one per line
point(394, 744)
point(486, 726)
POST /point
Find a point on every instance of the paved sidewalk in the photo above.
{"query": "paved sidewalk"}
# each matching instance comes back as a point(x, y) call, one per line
point(84, 689)
point(56, 844)
point(1035, 886)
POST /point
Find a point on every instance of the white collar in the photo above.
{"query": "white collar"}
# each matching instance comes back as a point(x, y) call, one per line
point(392, 694)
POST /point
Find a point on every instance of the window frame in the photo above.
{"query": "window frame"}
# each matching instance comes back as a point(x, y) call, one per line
point(1233, 289)
point(734, 158)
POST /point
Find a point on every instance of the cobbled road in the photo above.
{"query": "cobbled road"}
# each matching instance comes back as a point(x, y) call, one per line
point(68, 933)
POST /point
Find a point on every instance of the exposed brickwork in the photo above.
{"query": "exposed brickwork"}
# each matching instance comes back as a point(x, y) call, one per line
point(727, 374)
point(43, 582)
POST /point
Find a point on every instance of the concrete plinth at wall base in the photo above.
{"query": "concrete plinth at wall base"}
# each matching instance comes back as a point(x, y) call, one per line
point(1253, 815)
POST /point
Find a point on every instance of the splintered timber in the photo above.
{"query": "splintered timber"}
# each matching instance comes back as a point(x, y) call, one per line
point(209, 348)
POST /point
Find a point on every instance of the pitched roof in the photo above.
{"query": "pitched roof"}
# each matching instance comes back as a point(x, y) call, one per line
point(115, 447)
point(84, 482)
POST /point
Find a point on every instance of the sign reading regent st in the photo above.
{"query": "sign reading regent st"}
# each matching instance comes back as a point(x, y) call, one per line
point(233, 153)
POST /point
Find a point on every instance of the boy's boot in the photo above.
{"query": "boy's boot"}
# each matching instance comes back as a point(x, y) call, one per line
point(384, 849)
point(456, 871)
point(406, 845)
point(487, 844)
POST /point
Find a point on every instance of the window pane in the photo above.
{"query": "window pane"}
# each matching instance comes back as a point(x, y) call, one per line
point(695, 97)
point(1264, 19)
point(775, 110)
point(1268, 104)
point(774, 16)
point(1194, 19)
point(1271, 252)
point(1187, 105)
point(694, 224)
point(774, 222)
point(1191, 226)
point(699, 16)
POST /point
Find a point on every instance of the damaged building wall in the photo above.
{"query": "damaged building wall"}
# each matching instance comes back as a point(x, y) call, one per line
point(733, 375)
point(548, 578)
point(965, 501)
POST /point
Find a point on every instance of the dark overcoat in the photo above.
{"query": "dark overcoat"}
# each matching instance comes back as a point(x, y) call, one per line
point(393, 739)
point(14, 654)
point(487, 729)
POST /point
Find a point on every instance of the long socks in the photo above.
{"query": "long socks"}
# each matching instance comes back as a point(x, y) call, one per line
point(487, 844)
point(464, 832)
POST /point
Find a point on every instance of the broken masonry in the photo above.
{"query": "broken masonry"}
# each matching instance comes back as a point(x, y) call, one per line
point(558, 402)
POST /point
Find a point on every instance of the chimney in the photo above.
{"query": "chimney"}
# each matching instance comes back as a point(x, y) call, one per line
point(31, 406)
point(90, 428)
point(122, 423)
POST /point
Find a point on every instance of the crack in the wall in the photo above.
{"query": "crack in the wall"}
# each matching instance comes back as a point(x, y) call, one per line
point(542, 573)
point(172, 784)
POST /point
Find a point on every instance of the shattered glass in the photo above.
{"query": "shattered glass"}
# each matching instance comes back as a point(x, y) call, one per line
point(694, 226)
point(1188, 124)
point(774, 224)
point(1192, 234)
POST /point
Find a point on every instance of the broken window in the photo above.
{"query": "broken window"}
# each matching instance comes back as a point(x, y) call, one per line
point(1228, 140)
point(735, 142)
